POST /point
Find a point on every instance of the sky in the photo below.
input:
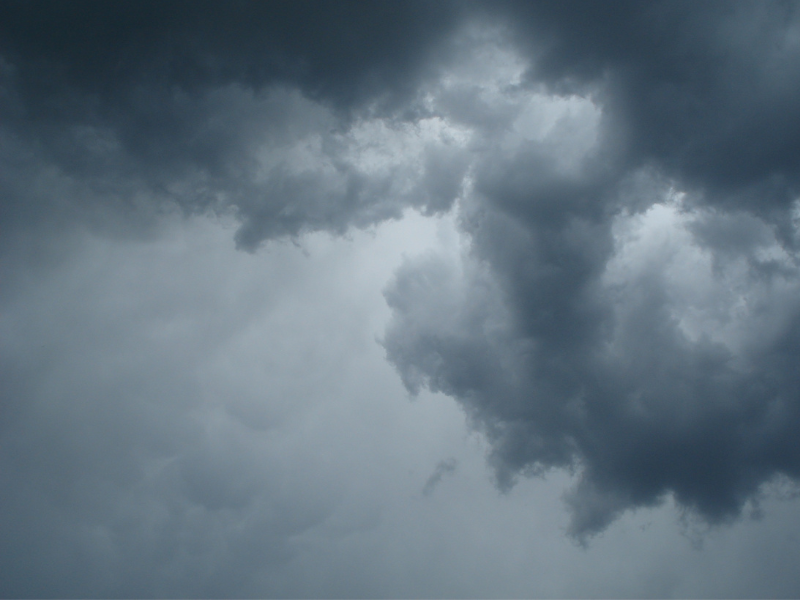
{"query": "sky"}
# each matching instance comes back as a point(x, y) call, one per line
point(420, 299)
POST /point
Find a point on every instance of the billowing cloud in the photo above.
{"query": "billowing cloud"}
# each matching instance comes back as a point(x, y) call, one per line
point(627, 305)
point(614, 295)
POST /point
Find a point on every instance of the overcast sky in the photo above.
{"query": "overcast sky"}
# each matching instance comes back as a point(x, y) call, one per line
point(419, 299)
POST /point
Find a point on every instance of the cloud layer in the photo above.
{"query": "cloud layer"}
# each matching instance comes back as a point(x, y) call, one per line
point(619, 297)
point(137, 109)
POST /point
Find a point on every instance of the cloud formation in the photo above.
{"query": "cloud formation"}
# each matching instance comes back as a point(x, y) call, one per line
point(444, 467)
point(623, 302)
point(263, 111)
point(627, 306)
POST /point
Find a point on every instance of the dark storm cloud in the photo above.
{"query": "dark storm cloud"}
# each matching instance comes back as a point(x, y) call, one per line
point(594, 327)
point(141, 107)
point(709, 92)
point(343, 51)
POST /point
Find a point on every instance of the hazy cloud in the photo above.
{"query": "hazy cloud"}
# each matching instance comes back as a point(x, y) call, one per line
point(444, 467)
point(145, 108)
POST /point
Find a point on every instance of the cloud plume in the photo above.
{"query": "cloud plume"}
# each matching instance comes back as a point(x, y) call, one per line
point(626, 306)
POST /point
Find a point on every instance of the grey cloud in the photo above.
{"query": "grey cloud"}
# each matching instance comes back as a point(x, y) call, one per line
point(601, 376)
point(626, 307)
point(118, 476)
point(137, 109)
point(343, 51)
point(279, 162)
point(178, 418)
point(444, 467)
point(707, 92)
point(649, 348)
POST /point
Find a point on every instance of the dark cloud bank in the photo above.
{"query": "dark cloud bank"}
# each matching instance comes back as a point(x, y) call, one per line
point(628, 304)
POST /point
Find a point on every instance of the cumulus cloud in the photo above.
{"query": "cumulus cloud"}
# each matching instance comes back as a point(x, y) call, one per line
point(640, 256)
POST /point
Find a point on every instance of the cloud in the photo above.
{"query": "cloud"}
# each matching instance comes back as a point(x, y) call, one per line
point(626, 306)
point(180, 418)
point(444, 467)
point(707, 93)
point(114, 116)
point(123, 473)
point(626, 181)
